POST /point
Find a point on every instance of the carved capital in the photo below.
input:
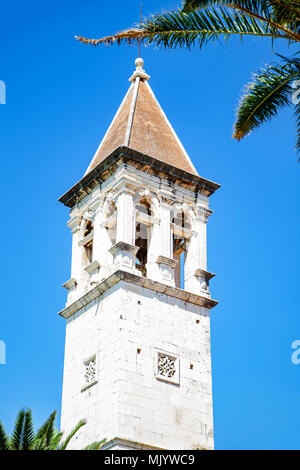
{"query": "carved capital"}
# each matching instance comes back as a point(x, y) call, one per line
point(164, 198)
point(97, 205)
point(94, 266)
point(111, 197)
point(204, 274)
point(74, 223)
point(126, 188)
point(70, 284)
point(167, 261)
point(122, 246)
point(202, 213)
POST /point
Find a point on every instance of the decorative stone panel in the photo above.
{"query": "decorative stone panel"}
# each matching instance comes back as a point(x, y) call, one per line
point(167, 367)
point(90, 372)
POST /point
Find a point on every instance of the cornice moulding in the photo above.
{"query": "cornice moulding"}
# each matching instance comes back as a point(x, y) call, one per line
point(117, 441)
point(120, 275)
point(141, 161)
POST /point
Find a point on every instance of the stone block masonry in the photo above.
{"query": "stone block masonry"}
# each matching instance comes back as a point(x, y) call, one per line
point(125, 330)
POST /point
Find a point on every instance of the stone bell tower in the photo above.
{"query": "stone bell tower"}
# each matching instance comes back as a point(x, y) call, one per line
point(137, 354)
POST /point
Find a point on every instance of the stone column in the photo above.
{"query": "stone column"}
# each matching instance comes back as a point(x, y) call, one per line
point(93, 269)
point(165, 228)
point(97, 207)
point(124, 251)
point(153, 251)
point(125, 217)
point(74, 225)
point(72, 285)
point(192, 262)
point(165, 259)
point(202, 215)
point(196, 275)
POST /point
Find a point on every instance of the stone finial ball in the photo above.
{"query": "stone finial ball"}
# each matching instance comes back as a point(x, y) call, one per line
point(139, 62)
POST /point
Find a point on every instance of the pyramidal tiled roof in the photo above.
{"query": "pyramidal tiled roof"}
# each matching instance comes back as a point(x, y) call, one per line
point(141, 124)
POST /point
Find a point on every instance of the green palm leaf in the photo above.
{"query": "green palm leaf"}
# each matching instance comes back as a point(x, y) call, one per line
point(254, 5)
point(28, 434)
point(270, 91)
point(196, 27)
point(95, 445)
point(16, 440)
point(286, 12)
point(72, 433)
point(55, 441)
point(46, 438)
point(297, 116)
point(4, 439)
point(46, 432)
point(284, 8)
point(39, 444)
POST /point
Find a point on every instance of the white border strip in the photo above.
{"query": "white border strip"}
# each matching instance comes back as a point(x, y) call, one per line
point(132, 109)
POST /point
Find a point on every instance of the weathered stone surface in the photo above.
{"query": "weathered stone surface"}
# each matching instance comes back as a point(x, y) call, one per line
point(128, 401)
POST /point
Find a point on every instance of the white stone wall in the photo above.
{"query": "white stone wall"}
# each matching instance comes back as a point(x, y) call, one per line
point(128, 402)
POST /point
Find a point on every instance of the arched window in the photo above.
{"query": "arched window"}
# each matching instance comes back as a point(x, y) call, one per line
point(142, 234)
point(88, 228)
point(181, 229)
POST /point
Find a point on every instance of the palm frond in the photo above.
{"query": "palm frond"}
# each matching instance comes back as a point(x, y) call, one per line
point(189, 5)
point(4, 439)
point(71, 434)
point(253, 5)
point(297, 116)
point(28, 434)
point(287, 13)
point(285, 9)
point(202, 26)
point(277, 8)
point(16, 440)
point(269, 91)
point(38, 444)
point(95, 445)
point(129, 36)
point(268, 13)
point(47, 430)
point(198, 27)
point(56, 438)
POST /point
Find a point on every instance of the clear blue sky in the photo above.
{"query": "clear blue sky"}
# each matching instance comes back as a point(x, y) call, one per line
point(61, 96)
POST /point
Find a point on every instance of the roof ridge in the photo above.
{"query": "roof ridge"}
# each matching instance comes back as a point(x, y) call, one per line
point(132, 109)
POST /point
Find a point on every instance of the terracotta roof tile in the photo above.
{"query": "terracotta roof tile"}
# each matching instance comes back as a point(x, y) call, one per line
point(141, 124)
